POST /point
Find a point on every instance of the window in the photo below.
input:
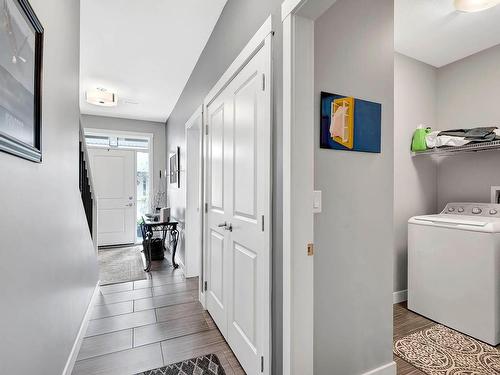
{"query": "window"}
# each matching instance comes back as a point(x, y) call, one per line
point(116, 142)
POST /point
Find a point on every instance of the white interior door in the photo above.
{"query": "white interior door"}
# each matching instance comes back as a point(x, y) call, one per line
point(239, 216)
point(114, 179)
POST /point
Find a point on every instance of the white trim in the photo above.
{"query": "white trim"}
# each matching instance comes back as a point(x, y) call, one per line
point(387, 369)
point(400, 296)
point(298, 182)
point(189, 127)
point(70, 363)
point(252, 47)
point(305, 8)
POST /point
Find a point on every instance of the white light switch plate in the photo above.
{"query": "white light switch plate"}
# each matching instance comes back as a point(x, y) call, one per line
point(317, 201)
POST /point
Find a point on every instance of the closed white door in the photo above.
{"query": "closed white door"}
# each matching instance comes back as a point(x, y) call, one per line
point(238, 217)
point(114, 178)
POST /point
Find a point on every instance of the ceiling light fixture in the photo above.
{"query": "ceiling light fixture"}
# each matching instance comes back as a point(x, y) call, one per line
point(470, 6)
point(101, 97)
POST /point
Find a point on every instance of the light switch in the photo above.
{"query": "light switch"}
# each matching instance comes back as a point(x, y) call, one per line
point(317, 201)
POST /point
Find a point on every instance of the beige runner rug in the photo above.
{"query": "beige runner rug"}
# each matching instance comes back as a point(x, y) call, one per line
point(439, 350)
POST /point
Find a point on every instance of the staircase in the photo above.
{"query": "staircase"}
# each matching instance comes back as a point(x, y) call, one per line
point(87, 191)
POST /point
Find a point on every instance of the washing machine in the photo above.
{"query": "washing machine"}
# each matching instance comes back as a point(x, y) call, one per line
point(454, 268)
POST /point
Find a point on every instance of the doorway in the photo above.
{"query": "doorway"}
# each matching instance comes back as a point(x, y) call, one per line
point(121, 165)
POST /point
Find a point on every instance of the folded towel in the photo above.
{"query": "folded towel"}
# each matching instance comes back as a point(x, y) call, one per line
point(435, 139)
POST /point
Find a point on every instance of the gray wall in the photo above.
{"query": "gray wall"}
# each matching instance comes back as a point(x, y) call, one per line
point(48, 270)
point(415, 179)
point(238, 22)
point(354, 55)
point(468, 96)
point(156, 128)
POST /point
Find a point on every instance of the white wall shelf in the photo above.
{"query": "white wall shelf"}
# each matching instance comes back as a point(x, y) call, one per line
point(450, 151)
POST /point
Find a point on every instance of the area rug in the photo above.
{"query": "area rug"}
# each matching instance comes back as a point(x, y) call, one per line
point(439, 350)
point(119, 265)
point(205, 365)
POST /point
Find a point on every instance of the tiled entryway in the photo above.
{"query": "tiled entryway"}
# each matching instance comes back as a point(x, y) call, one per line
point(142, 325)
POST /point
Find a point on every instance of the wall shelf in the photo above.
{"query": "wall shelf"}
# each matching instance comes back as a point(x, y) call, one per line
point(450, 151)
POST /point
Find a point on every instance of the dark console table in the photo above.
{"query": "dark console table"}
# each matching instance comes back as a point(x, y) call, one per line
point(149, 228)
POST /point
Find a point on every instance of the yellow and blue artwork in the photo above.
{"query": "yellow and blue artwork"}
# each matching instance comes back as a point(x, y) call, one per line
point(350, 124)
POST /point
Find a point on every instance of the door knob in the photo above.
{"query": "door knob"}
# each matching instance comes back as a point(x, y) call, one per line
point(129, 205)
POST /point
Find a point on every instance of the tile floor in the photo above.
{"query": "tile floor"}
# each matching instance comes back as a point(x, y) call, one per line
point(142, 325)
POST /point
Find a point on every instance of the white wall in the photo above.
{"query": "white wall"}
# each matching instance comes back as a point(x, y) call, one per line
point(469, 96)
point(354, 55)
point(415, 179)
point(48, 270)
point(156, 128)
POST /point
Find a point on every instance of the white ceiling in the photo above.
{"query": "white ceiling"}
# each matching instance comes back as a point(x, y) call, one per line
point(432, 31)
point(145, 50)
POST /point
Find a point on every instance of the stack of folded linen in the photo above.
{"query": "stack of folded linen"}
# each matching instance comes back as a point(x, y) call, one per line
point(460, 137)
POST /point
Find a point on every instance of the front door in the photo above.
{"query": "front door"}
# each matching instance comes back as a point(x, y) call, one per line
point(238, 216)
point(114, 179)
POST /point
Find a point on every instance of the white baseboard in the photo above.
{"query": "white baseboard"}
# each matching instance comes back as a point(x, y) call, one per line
point(387, 369)
point(401, 296)
point(70, 363)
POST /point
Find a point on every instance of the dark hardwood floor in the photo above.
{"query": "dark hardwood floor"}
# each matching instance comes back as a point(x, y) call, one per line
point(405, 323)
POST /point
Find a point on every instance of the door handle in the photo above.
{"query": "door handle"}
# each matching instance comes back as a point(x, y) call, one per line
point(226, 226)
point(129, 205)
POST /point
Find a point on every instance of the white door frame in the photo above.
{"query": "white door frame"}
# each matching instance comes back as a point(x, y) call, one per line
point(261, 39)
point(298, 18)
point(122, 133)
point(189, 129)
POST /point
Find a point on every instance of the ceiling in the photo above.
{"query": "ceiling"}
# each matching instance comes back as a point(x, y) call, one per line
point(432, 31)
point(143, 50)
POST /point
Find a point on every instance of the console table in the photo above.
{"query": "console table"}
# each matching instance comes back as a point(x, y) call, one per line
point(150, 227)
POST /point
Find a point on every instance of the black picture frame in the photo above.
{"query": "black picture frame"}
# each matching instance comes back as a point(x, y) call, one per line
point(174, 167)
point(9, 143)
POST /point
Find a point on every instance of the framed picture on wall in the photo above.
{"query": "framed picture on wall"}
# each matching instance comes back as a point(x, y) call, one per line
point(21, 50)
point(174, 167)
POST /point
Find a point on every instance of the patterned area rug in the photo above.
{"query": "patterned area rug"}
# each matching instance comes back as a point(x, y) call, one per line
point(205, 365)
point(439, 350)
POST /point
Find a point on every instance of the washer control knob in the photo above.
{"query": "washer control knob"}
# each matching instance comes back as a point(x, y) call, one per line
point(493, 212)
point(451, 209)
point(476, 210)
point(461, 209)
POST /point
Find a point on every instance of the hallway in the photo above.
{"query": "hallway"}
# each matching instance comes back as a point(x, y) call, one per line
point(142, 325)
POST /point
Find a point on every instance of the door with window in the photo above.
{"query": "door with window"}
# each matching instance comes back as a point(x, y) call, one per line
point(115, 182)
point(238, 212)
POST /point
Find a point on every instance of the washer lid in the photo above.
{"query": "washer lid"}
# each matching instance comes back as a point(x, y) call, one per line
point(454, 220)
point(459, 222)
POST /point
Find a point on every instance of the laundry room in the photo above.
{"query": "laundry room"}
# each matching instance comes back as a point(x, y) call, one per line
point(446, 173)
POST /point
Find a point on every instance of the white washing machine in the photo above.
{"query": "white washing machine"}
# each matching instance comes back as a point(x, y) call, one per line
point(454, 268)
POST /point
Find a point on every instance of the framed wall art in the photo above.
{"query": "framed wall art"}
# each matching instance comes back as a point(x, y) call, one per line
point(350, 124)
point(21, 54)
point(174, 167)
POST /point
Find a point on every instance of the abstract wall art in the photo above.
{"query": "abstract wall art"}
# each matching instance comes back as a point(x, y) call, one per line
point(350, 124)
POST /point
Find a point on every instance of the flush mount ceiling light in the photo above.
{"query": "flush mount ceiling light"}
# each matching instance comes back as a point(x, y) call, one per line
point(470, 6)
point(101, 97)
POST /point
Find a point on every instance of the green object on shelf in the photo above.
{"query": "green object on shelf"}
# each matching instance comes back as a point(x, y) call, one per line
point(418, 142)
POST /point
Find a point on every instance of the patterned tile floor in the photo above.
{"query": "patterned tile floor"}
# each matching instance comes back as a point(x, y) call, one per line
point(146, 324)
